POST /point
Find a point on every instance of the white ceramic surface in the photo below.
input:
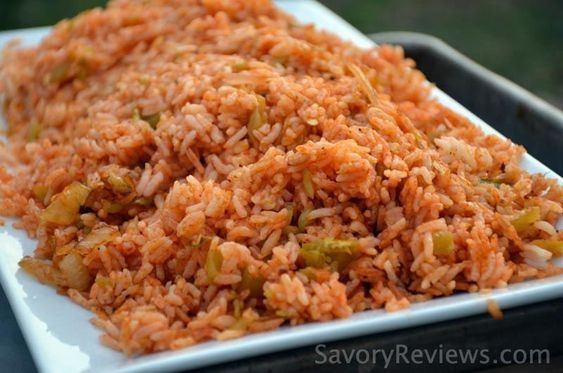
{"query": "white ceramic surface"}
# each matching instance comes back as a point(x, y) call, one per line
point(61, 339)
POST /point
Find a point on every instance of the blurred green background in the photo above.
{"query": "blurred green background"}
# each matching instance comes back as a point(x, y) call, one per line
point(519, 39)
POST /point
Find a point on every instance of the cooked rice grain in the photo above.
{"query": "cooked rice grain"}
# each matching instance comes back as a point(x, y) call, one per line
point(217, 138)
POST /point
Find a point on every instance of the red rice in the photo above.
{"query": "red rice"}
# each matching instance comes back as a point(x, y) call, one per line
point(389, 168)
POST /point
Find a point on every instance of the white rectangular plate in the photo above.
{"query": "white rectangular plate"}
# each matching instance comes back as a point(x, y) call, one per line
point(61, 338)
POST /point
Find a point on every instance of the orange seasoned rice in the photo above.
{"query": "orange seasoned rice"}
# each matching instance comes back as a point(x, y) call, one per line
point(494, 309)
point(199, 170)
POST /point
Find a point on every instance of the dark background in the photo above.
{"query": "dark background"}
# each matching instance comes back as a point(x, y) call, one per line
point(519, 39)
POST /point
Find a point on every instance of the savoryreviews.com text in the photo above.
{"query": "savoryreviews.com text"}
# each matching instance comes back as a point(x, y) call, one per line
point(404, 355)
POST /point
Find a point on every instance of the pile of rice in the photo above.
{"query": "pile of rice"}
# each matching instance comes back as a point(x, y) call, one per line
point(197, 170)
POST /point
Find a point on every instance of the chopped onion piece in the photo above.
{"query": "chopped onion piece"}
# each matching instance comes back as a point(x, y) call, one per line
point(64, 207)
point(308, 184)
point(303, 220)
point(257, 118)
point(213, 264)
point(75, 272)
point(328, 251)
point(443, 242)
point(43, 271)
point(252, 283)
point(119, 184)
point(554, 246)
point(33, 131)
point(363, 82)
point(524, 221)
